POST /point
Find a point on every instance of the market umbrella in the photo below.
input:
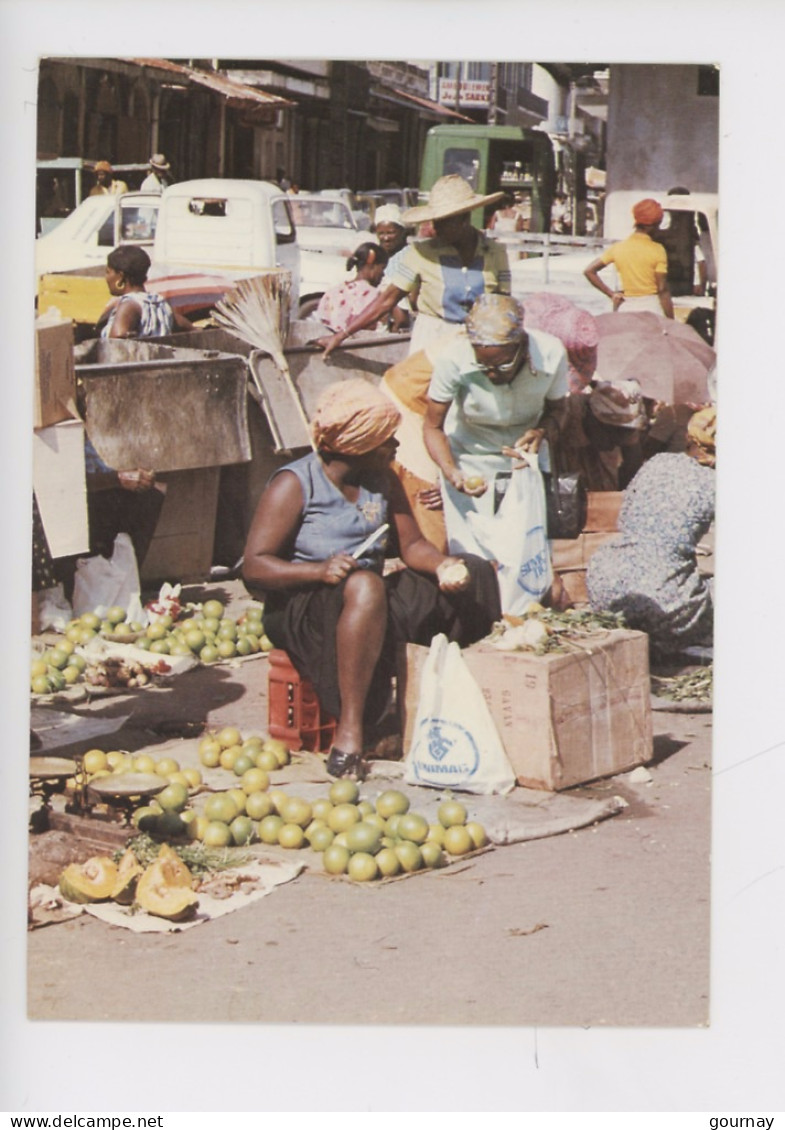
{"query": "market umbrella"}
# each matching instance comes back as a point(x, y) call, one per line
point(669, 360)
point(575, 328)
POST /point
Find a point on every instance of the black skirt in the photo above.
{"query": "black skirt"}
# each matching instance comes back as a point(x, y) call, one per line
point(304, 623)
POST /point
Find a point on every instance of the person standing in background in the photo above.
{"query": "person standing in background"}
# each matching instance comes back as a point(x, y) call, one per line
point(105, 182)
point(158, 178)
point(642, 264)
point(391, 232)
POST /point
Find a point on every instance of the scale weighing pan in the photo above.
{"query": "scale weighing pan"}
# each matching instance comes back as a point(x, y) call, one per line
point(50, 768)
point(124, 785)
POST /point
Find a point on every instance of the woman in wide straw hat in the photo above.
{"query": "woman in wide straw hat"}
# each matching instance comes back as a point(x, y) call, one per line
point(451, 269)
point(447, 272)
point(327, 600)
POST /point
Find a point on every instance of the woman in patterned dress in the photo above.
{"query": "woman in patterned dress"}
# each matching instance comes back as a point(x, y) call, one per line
point(339, 306)
point(134, 311)
point(649, 571)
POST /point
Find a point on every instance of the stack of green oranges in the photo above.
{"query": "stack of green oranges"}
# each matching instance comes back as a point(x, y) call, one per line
point(379, 841)
point(206, 633)
point(230, 818)
point(56, 668)
point(59, 667)
point(209, 634)
point(355, 837)
point(228, 749)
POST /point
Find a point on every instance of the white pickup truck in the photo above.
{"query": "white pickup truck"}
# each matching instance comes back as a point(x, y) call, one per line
point(209, 233)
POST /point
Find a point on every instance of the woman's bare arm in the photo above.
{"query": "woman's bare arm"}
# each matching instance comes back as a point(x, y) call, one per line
point(378, 308)
point(416, 551)
point(127, 320)
point(273, 530)
point(438, 447)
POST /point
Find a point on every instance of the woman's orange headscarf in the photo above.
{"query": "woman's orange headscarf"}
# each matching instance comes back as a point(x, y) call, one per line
point(352, 418)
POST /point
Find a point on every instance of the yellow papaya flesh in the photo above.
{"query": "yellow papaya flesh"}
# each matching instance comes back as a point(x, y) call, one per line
point(128, 871)
point(156, 894)
point(173, 869)
point(92, 881)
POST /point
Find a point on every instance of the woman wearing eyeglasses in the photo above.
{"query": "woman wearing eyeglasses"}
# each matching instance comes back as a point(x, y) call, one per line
point(494, 394)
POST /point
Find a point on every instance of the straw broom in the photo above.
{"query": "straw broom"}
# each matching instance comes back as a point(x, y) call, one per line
point(257, 310)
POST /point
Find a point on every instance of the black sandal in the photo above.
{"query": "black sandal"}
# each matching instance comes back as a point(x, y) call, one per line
point(342, 764)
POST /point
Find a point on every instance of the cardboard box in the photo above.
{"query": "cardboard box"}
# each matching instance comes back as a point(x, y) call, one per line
point(564, 719)
point(55, 386)
point(575, 553)
point(59, 485)
point(602, 514)
point(602, 510)
point(567, 553)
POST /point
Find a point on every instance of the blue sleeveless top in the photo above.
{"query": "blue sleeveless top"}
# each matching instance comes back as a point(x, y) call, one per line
point(330, 523)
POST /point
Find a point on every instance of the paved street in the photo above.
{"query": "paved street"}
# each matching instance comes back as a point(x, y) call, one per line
point(607, 925)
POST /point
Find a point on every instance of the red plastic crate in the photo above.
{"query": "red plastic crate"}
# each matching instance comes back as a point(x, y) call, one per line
point(294, 712)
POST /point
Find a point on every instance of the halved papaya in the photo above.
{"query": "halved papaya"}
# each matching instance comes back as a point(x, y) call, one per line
point(92, 881)
point(128, 871)
point(165, 888)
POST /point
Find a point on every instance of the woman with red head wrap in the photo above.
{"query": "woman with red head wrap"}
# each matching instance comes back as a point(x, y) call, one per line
point(641, 263)
point(327, 601)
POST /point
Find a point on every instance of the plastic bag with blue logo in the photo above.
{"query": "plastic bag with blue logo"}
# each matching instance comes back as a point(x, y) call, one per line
point(455, 743)
point(516, 536)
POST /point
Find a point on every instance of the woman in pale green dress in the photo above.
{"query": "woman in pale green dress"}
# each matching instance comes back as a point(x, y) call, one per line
point(494, 395)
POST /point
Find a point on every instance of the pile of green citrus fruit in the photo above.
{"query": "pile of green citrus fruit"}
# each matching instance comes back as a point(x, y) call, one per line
point(56, 668)
point(376, 841)
point(228, 749)
point(228, 818)
point(205, 632)
point(355, 837)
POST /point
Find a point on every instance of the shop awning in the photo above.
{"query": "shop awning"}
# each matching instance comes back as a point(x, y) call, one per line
point(413, 101)
point(236, 93)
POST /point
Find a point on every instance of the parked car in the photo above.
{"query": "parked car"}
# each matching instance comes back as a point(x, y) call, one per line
point(327, 234)
point(326, 223)
point(403, 197)
point(361, 206)
point(99, 223)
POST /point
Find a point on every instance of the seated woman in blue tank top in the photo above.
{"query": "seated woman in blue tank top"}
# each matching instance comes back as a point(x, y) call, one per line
point(335, 614)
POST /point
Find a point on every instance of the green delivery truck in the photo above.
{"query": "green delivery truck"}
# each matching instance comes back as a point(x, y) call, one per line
point(492, 158)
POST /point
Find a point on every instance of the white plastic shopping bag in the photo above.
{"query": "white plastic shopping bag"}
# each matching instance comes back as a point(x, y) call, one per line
point(102, 583)
point(455, 743)
point(516, 536)
point(54, 611)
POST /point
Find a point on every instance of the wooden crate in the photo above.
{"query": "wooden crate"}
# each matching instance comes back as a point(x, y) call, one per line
point(182, 549)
